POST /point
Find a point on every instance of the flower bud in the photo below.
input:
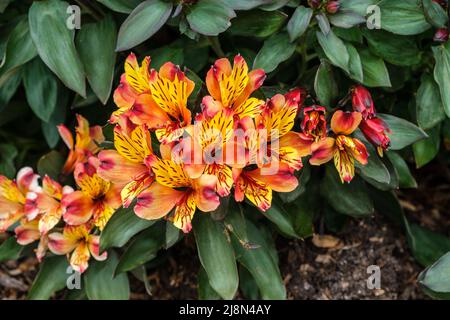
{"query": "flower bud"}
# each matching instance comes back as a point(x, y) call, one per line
point(441, 35)
point(362, 102)
point(333, 7)
point(375, 130)
point(314, 123)
point(314, 3)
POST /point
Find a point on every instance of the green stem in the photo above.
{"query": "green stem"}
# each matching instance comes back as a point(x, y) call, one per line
point(215, 45)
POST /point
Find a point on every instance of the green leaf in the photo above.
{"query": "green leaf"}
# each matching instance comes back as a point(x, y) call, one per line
point(324, 23)
point(395, 49)
point(404, 17)
point(52, 277)
point(404, 133)
point(8, 152)
point(281, 218)
point(350, 198)
point(346, 19)
point(205, 291)
point(406, 180)
point(375, 168)
point(41, 88)
point(143, 248)
point(19, 50)
point(355, 66)
point(351, 35)
point(246, 23)
point(247, 284)
point(427, 149)
point(427, 246)
point(275, 50)
point(261, 265)
point(442, 73)
point(57, 51)
point(95, 43)
point(100, 282)
point(210, 17)
point(9, 88)
point(172, 235)
point(170, 53)
point(334, 49)
point(299, 22)
point(121, 227)
point(374, 70)
point(145, 20)
point(324, 84)
point(434, 13)
point(10, 249)
point(429, 109)
point(357, 6)
point(216, 255)
point(122, 6)
point(246, 5)
point(436, 278)
point(51, 164)
point(303, 211)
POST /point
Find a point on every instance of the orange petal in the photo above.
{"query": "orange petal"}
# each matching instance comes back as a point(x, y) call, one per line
point(322, 151)
point(146, 111)
point(66, 136)
point(59, 244)
point(157, 201)
point(282, 181)
point(298, 141)
point(94, 248)
point(205, 195)
point(27, 232)
point(345, 122)
point(77, 208)
point(49, 220)
point(134, 188)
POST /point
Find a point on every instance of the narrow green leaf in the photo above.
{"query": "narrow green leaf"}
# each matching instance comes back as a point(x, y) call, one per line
point(210, 17)
point(41, 88)
point(355, 65)
point(10, 249)
point(442, 73)
point(95, 43)
point(324, 84)
point(346, 19)
point(436, 278)
point(374, 70)
point(427, 149)
point(334, 49)
point(145, 20)
point(205, 291)
point(275, 50)
point(375, 168)
point(299, 22)
point(122, 6)
point(261, 265)
point(403, 133)
point(281, 218)
point(9, 88)
point(121, 227)
point(434, 13)
point(52, 277)
point(143, 248)
point(216, 255)
point(406, 180)
point(429, 108)
point(246, 24)
point(350, 198)
point(427, 246)
point(100, 282)
point(57, 51)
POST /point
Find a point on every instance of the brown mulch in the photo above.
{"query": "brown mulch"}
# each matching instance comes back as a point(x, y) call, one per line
point(309, 271)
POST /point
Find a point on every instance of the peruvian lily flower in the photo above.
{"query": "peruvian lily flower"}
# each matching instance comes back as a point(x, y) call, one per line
point(46, 202)
point(314, 124)
point(231, 87)
point(175, 189)
point(133, 83)
point(86, 143)
point(274, 125)
point(362, 102)
point(28, 232)
point(79, 241)
point(343, 148)
point(375, 130)
point(257, 186)
point(13, 196)
point(98, 199)
point(126, 167)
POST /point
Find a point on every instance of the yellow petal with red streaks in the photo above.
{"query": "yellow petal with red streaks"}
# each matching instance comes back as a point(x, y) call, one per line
point(169, 173)
point(184, 212)
point(79, 259)
point(250, 107)
point(224, 178)
point(134, 188)
point(49, 220)
point(137, 76)
point(135, 146)
point(345, 165)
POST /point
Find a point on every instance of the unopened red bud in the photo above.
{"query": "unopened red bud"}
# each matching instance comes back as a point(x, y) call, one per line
point(441, 35)
point(333, 7)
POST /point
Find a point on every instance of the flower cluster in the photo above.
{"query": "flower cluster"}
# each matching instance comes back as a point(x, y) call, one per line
point(168, 162)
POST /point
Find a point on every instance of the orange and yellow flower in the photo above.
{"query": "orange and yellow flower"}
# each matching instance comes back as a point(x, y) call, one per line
point(87, 140)
point(79, 241)
point(13, 195)
point(174, 188)
point(343, 148)
point(97, 198)
point(231, 87)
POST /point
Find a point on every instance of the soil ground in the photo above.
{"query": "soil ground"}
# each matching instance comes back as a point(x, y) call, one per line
point(309, 272)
